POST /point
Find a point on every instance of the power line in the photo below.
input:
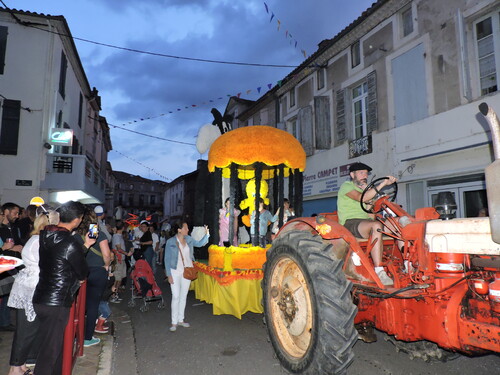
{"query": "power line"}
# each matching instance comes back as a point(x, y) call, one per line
point(152, 136)
point(158, 54)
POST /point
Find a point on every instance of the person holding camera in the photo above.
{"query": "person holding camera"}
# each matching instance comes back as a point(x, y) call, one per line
point(98, 260)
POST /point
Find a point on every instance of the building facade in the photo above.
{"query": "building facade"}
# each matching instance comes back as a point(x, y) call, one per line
point(399, 90)
point(53, 143)
point(136, 195)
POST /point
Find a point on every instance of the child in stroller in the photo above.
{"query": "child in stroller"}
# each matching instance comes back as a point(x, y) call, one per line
point(144, 286)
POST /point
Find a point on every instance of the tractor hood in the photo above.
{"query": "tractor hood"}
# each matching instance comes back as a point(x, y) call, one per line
point(466, 236)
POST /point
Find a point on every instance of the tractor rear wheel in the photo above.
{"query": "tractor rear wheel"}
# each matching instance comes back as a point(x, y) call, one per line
point(308, 306)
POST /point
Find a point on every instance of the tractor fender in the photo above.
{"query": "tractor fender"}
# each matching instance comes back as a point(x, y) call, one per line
point(343, 241)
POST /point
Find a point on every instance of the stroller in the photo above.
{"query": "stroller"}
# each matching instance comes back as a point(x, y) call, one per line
point(144, 286)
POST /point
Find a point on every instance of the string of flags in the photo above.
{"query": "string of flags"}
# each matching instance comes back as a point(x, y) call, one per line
point(195, 106)
point(258, 89)
point(288, 35)
point(145, 166)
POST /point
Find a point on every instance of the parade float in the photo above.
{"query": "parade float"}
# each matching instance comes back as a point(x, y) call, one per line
point(268, 162)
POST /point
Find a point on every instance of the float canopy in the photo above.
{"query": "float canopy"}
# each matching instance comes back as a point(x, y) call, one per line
point(251, 144)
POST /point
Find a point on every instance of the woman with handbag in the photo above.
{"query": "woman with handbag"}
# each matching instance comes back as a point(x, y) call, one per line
point(179, 257)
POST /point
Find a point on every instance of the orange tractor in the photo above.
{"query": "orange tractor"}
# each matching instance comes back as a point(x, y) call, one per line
point(321, 292)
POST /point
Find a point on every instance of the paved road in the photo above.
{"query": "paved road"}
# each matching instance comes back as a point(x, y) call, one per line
point(224, 345)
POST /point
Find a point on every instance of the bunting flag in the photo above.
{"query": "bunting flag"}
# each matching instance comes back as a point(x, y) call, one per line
point(198, 105)
point(145, 166)
point(288, 35)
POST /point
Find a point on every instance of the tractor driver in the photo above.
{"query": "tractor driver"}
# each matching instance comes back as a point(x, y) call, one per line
point(357, 221)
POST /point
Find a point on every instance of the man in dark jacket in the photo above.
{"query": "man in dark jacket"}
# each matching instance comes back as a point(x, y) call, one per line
point(62, 268)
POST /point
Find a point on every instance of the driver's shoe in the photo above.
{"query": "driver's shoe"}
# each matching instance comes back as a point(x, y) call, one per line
point(386, 280)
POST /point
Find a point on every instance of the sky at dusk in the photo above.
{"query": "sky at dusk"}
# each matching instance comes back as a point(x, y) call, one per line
point(136, 86)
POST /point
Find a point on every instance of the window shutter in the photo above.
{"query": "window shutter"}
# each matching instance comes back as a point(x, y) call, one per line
point(3, 47)
point(304, 119)
point(340, 131)
point(9, 135)
point(322, 122)
point(371, 116)
point(62, 75)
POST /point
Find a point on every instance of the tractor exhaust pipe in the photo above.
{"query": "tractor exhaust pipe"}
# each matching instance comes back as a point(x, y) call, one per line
point(492, 172)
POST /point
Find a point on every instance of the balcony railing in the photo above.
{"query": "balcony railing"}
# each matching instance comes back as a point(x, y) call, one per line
point(73, 172)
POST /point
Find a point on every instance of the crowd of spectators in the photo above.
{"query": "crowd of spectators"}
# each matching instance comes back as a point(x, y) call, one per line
point(58, 254)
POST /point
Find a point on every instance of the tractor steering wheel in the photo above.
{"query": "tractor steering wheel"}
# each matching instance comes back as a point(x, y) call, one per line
point(391, 191)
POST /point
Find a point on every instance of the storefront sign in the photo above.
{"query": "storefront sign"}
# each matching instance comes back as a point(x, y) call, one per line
point(324, 181)
point(61, 137)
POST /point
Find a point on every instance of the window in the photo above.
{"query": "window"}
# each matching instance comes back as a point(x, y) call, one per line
point(3, 47)
point(141, 199)
point(120, 198)
point(131, 199)
point(293, 129)
point(470, 196)
point(406, 22)
point(487, 41)
point(323, 129)
point(62, 75)
point(292, 97)
point(264, 117)
point(152, 200)
point(360, 109)
point(80, 110)
point(9, 133)
point(408, 70)
point(131, 187)
point(355, 54)
point(76, 146)
point(305, 128)
point(59, 122)
point(320, 78)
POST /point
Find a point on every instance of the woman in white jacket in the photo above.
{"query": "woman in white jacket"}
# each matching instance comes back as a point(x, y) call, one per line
point(174, 268)
point(22, 294)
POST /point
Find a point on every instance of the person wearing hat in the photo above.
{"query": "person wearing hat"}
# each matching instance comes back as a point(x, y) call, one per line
point(99, 211)
point(357, 221)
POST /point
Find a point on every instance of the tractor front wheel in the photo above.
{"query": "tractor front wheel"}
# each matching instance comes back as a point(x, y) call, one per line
point(308, 306)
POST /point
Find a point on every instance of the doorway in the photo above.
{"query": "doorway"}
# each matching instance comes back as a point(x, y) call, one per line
point(469, 196)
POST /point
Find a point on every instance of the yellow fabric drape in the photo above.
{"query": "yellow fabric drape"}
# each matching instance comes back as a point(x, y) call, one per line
point(234, 299)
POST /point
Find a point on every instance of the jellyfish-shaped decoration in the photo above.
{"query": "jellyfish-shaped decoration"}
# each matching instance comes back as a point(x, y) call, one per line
point(260, 153)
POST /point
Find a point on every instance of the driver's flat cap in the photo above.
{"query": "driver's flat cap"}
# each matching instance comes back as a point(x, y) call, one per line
point(359, 167)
